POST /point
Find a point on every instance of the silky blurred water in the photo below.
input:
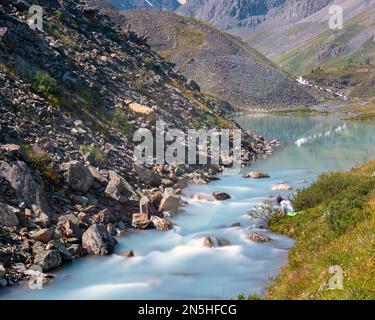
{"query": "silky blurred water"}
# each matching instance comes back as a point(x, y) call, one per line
point(176, 265)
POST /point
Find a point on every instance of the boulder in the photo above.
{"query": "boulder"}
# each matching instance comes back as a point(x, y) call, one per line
point(97, 175)
point(7, 217)
point(60, 247)
point(148, 176)
point(160, 223)
point(155, 197)
point(78, 177)
point(13, 151)
point(203, 197)
point(145, 205)
point(48, 259)
point(281, 187)
point(256, 175)
point(96, 240)
point(118, 188)
point(221, 196)
point(169, 203)
point(2, 271)
point(141, 221)
point(146, 113)
point(257, 237)
point(106, 216)
point(70, 225)
point(43, 235)
point(27, 189)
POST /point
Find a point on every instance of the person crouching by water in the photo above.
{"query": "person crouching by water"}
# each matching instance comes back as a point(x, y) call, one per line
point(286, 206)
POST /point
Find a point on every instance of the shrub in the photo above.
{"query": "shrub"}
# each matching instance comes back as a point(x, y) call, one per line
point(327, 186)
point(120, 122)
point(44, 83)
point(42, 162)
point(98, 155)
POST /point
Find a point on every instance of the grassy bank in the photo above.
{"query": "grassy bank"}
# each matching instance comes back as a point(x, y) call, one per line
point(337, 228)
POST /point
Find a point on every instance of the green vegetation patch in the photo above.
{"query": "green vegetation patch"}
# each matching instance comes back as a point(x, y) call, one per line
point(336, 228)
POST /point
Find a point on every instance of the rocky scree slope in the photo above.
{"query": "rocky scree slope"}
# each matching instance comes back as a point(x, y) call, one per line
point(70, 98)
point(221, 64)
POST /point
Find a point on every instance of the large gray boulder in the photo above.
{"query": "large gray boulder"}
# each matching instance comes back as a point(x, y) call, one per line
point(78, 177)
point(48, 259)
point(27, 189)
point(118, 188)
point(170, 203)
point(148, 176)
point(7, 217)
point(97, 240)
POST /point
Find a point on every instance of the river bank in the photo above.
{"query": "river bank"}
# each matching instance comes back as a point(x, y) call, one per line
point(333, 257)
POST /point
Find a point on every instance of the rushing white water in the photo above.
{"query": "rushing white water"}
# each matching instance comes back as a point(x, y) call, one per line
point(176, 265)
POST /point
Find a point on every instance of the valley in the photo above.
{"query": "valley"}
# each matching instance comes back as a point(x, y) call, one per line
point(82, 218)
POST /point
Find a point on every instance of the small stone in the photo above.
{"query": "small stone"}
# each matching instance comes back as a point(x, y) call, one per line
point(128, 254)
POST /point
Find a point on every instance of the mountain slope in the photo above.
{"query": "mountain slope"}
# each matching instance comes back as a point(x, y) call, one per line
point(343, 58)
point(221, 64)
point(248, 13)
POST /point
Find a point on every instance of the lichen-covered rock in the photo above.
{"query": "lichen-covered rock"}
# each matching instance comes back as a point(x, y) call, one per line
point(96, 240)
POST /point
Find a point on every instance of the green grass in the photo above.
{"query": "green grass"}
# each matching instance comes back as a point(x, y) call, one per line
point(337, 227)
point(98, 155)
point(42, 162)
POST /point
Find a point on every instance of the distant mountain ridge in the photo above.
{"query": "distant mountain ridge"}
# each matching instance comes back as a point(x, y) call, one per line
point(222, 65)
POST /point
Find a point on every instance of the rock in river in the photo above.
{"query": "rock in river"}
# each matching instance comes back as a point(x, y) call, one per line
point(141, 221)
point(221, 196)
point(256, 175)
point(257, 237)
point(281, 187)
point(96, 240)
